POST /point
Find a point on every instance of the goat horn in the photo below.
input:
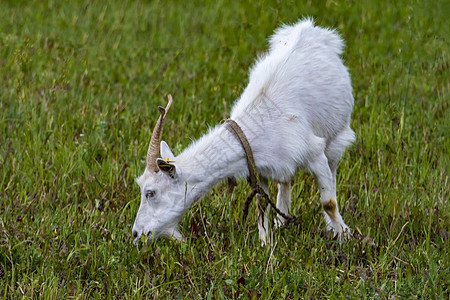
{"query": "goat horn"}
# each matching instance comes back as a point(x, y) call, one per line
point(155, 142)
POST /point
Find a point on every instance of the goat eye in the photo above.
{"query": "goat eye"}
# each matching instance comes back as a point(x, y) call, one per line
point(149, 194)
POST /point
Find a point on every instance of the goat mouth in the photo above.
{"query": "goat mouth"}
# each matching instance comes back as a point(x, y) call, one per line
point(149, 235)
point(136, 240)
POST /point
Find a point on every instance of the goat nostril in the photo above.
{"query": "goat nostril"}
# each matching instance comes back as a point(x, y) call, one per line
point(135, 234)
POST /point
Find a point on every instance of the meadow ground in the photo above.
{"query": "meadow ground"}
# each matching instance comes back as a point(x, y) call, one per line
point(80, 82)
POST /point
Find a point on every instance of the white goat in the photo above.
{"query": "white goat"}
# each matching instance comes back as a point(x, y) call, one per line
point(295, 113)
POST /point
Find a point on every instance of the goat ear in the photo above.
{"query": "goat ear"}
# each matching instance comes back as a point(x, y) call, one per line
point(166, 152)
point(167, 167)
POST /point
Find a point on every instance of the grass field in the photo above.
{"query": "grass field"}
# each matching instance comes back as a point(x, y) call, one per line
point(80, 84)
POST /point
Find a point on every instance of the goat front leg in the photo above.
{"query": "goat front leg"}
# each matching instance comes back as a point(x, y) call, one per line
point(327, 185)
point(263, 212)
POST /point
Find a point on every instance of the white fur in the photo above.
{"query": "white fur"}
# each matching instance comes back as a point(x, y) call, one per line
point(295, 113)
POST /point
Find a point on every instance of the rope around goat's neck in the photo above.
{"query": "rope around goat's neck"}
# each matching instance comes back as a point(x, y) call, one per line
point(236, 130)
point(253, 177)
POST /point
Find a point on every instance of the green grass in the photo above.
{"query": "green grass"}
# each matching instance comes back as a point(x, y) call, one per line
point(80, 83)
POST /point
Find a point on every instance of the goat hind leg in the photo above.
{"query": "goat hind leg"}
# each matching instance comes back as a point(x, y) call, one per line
point(283, 202)
point(336, 148)
point(326, 181)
